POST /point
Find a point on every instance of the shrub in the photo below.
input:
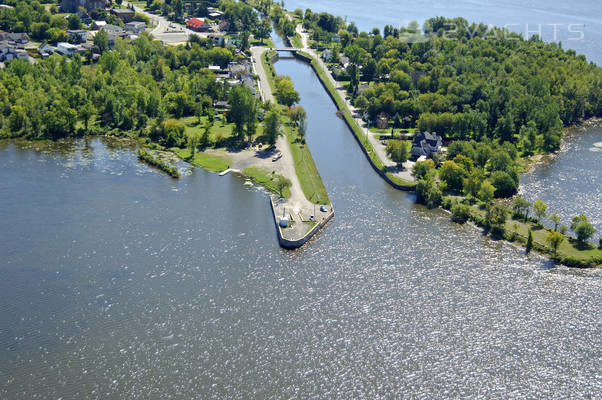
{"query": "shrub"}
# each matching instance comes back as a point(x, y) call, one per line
point(504, 185)
point(460, 213)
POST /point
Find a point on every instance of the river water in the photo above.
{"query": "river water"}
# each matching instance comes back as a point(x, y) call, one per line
point(577, 24)
point(120, 282)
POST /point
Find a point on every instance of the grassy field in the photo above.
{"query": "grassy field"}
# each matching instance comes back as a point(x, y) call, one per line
point(204, 160)
point(307, 172)
point(296, 41)
point(305, 167)
point(388, 131)
point(221, 130)
point(568, 250)
point(266, 179)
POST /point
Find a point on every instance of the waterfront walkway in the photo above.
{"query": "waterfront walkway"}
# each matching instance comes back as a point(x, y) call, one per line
point(379, 147)
point(298, 208)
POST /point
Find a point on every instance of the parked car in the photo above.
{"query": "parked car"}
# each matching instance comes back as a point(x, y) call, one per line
point(277, 157)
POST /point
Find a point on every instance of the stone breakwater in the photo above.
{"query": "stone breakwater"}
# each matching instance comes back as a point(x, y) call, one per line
point(297, 235)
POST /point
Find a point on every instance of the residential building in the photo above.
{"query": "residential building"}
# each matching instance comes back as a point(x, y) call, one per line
point(66, 49)
point(236, 70)
point(113, 29)
point(221, 105)
point(98, 25)
point(124, 14)
point(426, 144)
point(195, 24)
point(17, 37)
point(46, 50)
point(135, 27)
point(77, 35)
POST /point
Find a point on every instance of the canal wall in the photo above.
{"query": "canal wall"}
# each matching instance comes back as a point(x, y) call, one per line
point(296, 243)
point(346, 118)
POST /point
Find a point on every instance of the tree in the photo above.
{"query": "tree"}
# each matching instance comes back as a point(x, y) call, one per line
point(460, 213)
point(101, 41)
point(582, 228)
point(504, 184)
point(452, 174)
point(422, 168)
point(500, 161)
point(193, 142)
point(554, 239)
point(486, 192)
point(281, 184)
point(541, 210)
point(496, 217)
point(242, 109)
point(285, 91)
point(296, 114)
point(263, 30)
point(74, 22)
point(472, 184)
point(428, 191)
point(396, 123)
point(555, 218)
point(272, 126)
point(244, 40)
point(520, 206)
point(86, 112)
point(397, 151)
point(529, 244)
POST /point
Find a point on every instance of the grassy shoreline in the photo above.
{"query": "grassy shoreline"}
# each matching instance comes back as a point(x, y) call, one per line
point(514, 231)
point(305, 167)
point(364, 142)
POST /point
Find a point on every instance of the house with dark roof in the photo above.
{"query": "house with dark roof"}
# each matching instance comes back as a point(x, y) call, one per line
point(237, 69)
point(125, 14)
point(77, 35)
point(426, 144)
point(17, 37)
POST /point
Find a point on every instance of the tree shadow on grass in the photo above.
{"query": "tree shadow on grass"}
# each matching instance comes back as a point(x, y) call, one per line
point(581, 246)
point(394, 168)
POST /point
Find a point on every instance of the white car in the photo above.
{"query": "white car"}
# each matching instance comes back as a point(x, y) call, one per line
point(277, 157)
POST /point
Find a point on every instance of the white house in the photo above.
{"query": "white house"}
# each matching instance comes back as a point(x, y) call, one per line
point(66, 49)
point(135, 27)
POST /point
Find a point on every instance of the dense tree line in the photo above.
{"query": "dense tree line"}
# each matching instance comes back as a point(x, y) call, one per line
point(137, 87)
point(482, 84)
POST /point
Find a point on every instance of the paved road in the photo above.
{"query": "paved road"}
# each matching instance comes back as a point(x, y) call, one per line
point(167, 31)
point(264, 86)
point(285, 165)
point(379, 148)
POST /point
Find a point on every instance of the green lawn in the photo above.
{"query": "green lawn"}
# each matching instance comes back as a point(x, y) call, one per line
point(388, 130)
point(305, 168)
point(266, 179)
point(220, 130)
point(296, 41)
point(307, 172)
point(569, 248)
point(201, 159)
